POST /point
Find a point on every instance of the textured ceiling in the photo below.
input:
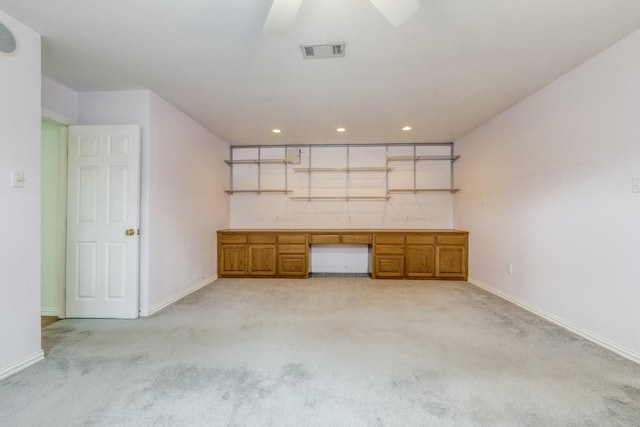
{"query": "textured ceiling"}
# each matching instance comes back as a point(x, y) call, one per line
point(449, 68)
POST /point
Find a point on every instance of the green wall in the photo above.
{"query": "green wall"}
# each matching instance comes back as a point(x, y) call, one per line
point(54, 184)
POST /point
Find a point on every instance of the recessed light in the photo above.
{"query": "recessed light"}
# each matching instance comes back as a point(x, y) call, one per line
point(341, 130)
point(406, 128)
point(276, 130)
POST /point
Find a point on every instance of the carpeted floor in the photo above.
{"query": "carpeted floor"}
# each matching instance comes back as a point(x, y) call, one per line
point(324, 352)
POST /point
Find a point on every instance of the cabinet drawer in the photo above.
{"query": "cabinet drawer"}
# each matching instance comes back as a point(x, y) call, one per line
point(292, 265)
point(452, 240)
point(292, 249)
point(421, 239)
point(233, 238)
point(325, 238)
point(389, 249)
point(388, 266)
point(293, 238)
point(390, 238)
point(262, 238)
point(356, 239)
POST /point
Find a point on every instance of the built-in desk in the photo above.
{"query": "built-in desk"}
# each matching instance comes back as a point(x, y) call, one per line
point(397, 254)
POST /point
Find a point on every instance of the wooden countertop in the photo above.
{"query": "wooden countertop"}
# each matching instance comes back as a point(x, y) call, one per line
point(340, 230)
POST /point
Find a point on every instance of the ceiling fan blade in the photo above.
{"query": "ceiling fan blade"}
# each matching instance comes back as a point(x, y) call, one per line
point(396, 11)
point(281, 16)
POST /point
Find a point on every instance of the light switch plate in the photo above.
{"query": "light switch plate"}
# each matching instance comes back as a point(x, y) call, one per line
point(17, 178)
point(636, 184)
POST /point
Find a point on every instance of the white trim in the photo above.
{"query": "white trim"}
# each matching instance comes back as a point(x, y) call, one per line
point(153, 310)
point(57, 117)
point(596, 339)
point(18, 366)
point(49, 311)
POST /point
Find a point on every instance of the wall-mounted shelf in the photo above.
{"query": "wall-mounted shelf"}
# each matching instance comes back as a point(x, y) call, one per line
point(423, 190)
point(257, 161)
point(421, 158)
point(347, 198)
point(275, 172)
point(359, 169)
point(257, 191)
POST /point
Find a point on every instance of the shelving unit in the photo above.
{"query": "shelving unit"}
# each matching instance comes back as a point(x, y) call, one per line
point(347, 170)
point(406, 187)
point(415, 158)
point(338, 198)
point(259, 161)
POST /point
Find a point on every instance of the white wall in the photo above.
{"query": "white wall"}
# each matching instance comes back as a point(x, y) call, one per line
point(59, 103)
point(427, 210)
point(546, 186)
point(20, 207)
point(187, 204)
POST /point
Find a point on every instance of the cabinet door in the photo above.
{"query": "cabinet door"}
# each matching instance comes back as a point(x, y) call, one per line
point(262, 260)
point(388, 266)
point(451, 262)
point(292, 265)
point(233, 260)
point(421, 261)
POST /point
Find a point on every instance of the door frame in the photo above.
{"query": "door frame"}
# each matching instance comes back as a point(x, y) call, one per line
point(64, 123)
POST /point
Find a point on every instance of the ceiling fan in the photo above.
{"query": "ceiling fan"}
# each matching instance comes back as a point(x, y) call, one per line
point(283, 12)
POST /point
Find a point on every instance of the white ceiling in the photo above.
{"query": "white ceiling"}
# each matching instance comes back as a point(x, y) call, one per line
point(449, 68)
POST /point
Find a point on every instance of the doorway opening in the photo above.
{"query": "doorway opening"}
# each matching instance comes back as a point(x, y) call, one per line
point(53, 220)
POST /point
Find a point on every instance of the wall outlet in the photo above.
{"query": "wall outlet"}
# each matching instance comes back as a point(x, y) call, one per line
point(636, 184)
point(510, 268)
point(405, 218)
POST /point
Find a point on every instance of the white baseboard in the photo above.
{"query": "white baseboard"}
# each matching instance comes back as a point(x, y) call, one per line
point(49, 311)
point(18, 366)
point(156, 308)
point(596, 339)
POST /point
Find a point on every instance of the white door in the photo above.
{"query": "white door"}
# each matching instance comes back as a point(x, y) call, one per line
point(103, 221)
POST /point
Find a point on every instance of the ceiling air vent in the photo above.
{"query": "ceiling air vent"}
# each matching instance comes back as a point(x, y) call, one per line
point(328, 50)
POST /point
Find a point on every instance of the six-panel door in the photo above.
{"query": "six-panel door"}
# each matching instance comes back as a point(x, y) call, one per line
point(103, 216)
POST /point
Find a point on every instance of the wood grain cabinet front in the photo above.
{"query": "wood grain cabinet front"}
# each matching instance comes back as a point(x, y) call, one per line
point(292, 265)
point(451, 257)
point(396, 254)
point(232, 260)
point(389, 266)
point(262, 260)
point(420, 261)
point(451, 262)
point(388, 256)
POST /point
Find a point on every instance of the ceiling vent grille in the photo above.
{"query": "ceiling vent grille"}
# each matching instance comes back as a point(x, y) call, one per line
point(328, 50)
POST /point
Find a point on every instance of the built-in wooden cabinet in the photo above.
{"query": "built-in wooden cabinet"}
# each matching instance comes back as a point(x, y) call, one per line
point(388, 255)
point(396, 254)
point(421, 261)
point(233, 260)
point(262, 253)
point(451, 257)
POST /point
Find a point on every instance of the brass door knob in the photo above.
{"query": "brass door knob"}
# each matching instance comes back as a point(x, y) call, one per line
point(130, 232)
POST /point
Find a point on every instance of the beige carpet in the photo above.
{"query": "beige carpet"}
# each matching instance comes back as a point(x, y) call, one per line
point(324, 352)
